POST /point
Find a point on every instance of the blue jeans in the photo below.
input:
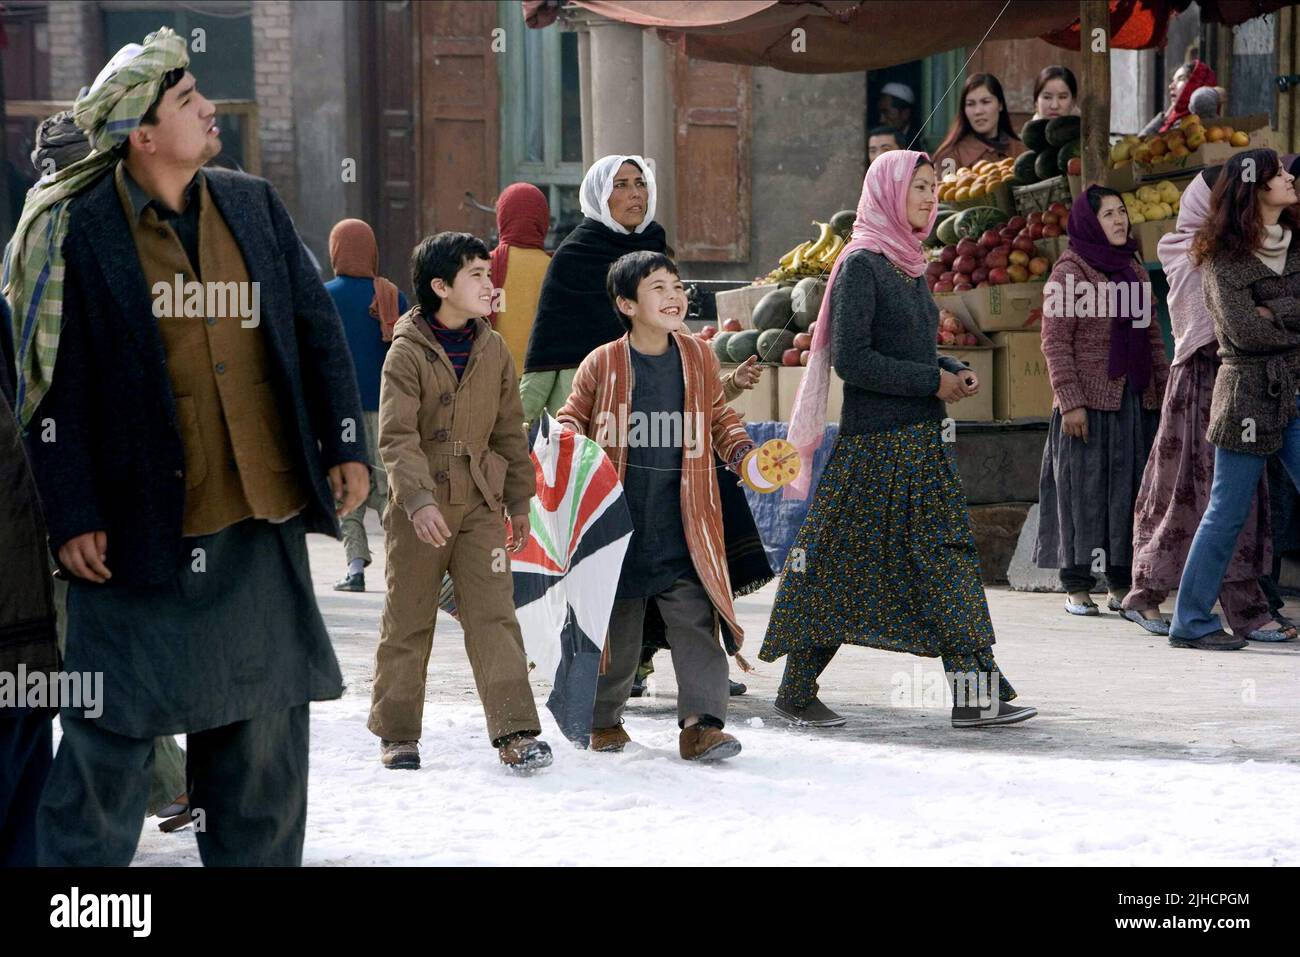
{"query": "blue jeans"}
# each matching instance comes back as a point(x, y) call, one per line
point(1236, 474)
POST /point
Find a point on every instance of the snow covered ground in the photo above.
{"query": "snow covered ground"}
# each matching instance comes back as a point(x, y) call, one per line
point(791, 797)
point(1141, 755)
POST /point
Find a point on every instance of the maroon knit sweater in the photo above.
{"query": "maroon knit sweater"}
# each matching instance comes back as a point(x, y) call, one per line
point(1078, 349)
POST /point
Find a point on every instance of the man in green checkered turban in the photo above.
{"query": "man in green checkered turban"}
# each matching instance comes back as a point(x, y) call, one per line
point(108, 112)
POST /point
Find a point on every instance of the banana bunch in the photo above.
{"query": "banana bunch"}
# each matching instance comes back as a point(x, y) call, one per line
point(813, 257)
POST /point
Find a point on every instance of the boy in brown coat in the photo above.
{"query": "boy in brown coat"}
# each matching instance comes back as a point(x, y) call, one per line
point(452, 441)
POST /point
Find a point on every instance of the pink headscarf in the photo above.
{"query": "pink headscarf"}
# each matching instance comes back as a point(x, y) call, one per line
point(881, 227)
point(1192, 325)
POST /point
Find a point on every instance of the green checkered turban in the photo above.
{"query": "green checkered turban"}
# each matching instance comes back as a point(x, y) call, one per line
point(33, 260)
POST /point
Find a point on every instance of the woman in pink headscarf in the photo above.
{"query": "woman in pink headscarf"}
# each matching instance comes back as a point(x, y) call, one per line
point(1175, 489)
point(885, 557)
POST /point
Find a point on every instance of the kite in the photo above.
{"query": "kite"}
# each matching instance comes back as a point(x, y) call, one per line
point(566, 576)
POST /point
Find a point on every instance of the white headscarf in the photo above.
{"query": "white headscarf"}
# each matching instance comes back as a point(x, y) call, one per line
point(598, 184)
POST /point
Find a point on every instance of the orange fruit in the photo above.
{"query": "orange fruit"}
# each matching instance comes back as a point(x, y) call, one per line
point(1240, 138)
point(1216, 134)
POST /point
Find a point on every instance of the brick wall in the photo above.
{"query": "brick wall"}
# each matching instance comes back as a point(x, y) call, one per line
point(273, 89)
point(74, 46)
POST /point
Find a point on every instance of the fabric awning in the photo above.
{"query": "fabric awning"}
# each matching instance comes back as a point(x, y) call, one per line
point(843, 36)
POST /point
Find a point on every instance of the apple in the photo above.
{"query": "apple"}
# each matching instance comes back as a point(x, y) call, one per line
point(965, 265)
point(935, 269)
point(962, 287)
point(732, 325)
point(1025, 244)
point(942, 287)
point(1060, 209)
point(979, 275)
point(990, 238)
point(1019, 257)
point(1049, 219)
point(996, 260)
point(1050, 231)
point(1006, 234)
point(803, 357)
point(708, 332)
point(967, 247)
point(1064, 223)
point(948, 277)
point(1034, 219)
point(1017, 273)
point(946, 338)
point(1037, 266)
point(790, 357)
point(812, 327)
point(948, 255)
point(802, 341)
point(998, 276)
point(1036, 231)
point(1005, 249)
point(983, 285)
point(1017, 223)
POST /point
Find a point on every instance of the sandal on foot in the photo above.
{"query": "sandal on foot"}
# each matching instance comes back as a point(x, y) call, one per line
point(1272, 634)
point(1157, 626)
point(1088, 607)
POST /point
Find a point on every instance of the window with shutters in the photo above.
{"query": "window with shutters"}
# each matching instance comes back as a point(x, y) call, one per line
point(541, 122)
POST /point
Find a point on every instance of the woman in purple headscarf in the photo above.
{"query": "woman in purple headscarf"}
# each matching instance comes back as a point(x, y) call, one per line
point(1107, 366)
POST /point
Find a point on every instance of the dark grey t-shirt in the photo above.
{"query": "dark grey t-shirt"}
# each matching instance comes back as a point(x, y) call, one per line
point(657, 555)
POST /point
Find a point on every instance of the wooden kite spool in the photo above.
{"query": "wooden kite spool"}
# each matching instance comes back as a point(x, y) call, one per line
point(771, 466)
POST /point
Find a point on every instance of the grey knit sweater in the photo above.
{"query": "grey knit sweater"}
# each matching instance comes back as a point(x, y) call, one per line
point(883, 328)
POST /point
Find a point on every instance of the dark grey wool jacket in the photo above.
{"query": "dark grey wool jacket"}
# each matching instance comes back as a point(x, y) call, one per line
point(1255, 391)
point(883, 329)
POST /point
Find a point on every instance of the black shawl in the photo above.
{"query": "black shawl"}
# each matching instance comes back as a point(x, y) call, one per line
point(574, 314)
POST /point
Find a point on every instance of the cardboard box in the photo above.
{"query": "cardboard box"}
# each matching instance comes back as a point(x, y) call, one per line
point(759, 403)
point(1148, 237)
point(978, 408)
point(1021, 387)
point(740, 303)
point(787, 386)
point(1005, 307)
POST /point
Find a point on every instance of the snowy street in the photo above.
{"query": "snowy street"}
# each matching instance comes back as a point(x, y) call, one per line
point(1142, 755)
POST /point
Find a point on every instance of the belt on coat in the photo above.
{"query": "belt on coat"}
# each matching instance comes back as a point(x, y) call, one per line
point(474, 452)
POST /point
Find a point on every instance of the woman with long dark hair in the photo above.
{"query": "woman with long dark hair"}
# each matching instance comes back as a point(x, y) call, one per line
point(981, 130)
point(1056, 92)
point(1107, 367)
point(1251, 274)
point(886, 557)
point(1176, 484)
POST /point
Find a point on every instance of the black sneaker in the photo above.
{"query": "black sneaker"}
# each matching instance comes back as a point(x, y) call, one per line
point(355, 582)
point(1215, 641)
point(814, 715)
point(736, 688)
point(1008, 713)
point(638, 687)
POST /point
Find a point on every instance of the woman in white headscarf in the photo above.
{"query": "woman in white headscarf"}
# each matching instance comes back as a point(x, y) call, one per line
point(574, 314)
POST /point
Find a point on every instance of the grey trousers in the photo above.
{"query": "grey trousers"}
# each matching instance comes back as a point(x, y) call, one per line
point(249, 780)
point(355, 543)
point(698, 658)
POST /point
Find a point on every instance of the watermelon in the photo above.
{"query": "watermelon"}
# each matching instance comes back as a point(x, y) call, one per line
point(744, 344)
point(1065, 154)
point(972, 223)
point(1024, 169)
point(806, 300)
point(1045, 164)
point(842, 223)
point(719, 344)
point(772, 343)
point(773, 310)
point(947, 230)
point(1034, 134)
point(1063, 129)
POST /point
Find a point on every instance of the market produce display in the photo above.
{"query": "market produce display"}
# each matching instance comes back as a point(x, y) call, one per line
point(1182, 141)
point(1053, 150)
point(952, 332)
point(975, 182)
point(1152, 203)
point(1000, 254)
point(814, 257)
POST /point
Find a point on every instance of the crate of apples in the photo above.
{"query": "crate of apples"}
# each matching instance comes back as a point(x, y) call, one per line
point(998, 257)
point(798, 354)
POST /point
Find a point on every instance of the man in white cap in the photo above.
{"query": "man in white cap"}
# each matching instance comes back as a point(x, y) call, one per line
point(896, 107)
point(182, 450)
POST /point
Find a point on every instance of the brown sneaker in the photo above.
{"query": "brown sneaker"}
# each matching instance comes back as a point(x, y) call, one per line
point(400, 755)
point(701, 742)
point(609, 739)
point(525, 752)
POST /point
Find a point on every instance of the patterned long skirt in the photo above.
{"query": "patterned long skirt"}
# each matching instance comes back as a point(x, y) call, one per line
point(1174, 495)
point(886, 558)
